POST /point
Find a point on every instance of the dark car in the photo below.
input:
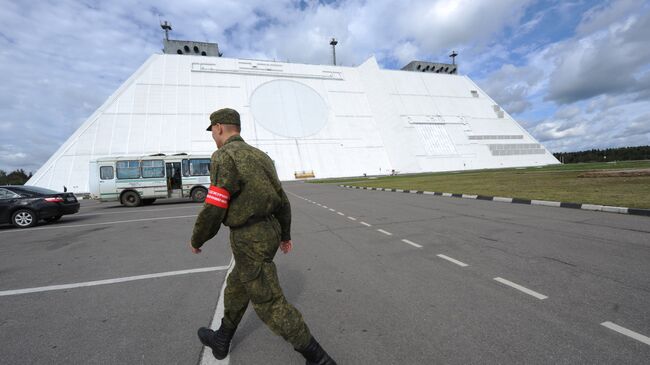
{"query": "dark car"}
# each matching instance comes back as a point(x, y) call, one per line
point(24, 206)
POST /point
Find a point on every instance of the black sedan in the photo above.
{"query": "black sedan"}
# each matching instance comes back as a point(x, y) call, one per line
point(24, 206)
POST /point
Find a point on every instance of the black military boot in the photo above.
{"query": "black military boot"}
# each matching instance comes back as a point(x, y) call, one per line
point(315, 354)
point(218, 341)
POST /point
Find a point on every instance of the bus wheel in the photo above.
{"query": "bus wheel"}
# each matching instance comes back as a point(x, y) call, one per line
point(148, 201)
point(199, 194)
point(131, 199)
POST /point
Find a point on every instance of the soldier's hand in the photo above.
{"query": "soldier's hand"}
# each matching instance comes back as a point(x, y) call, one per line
point(195, 250)
point(286, 246)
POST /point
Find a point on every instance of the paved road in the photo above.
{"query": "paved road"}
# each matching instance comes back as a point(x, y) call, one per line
point(150, 321)
point(368, 296)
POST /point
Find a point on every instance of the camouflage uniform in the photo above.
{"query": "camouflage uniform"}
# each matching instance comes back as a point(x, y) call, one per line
point(259, 217)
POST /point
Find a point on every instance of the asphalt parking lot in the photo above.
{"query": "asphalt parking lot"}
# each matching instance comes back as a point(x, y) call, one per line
point(380, 278)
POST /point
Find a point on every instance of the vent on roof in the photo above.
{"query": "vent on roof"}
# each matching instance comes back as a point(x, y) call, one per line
point(179, 51)
point(474, 93)
point(186, 48)
point(196, 49)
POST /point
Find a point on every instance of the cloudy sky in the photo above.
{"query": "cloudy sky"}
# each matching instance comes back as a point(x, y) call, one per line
point(576, 74)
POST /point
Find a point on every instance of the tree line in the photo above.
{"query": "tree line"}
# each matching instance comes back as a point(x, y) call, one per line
point(609, 154)
point(17, 177)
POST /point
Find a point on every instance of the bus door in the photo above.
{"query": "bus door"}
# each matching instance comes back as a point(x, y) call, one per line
point(107, 189)
point(174, 180)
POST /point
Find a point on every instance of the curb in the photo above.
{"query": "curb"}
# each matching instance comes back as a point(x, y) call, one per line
point(591, 207)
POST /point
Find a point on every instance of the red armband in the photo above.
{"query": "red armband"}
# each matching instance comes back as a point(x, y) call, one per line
point(218, 197)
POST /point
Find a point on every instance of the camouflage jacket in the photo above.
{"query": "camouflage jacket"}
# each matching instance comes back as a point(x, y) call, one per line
point(248, 176)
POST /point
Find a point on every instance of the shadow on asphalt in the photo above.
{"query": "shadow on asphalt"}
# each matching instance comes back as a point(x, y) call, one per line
point(292, 283)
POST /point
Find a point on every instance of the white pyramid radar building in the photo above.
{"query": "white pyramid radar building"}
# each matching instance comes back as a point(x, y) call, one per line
point(312, 120)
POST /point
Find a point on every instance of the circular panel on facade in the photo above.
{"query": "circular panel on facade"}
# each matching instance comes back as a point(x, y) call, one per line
point(289, 108)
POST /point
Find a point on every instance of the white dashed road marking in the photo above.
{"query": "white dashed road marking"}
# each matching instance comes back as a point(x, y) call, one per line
point(459, 263)
point(412, 243)
point(352, 218)
point(339, 213)
point(627, 332)
point(385, 232)
point(332, 210)
point(366, 224)
point(521, 288)
point(110, 281)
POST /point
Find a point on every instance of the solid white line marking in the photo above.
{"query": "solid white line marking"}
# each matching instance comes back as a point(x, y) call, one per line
point(521, 288)
point(129, 210)
point(385, 232)
point(366, 224)
point(207, 358)
point(459, 263)
point(352, 218)
point(627, 332)
point(412, 243)
point(110, 281)
point(98, 224)
point(332, 210)
point(339, 213)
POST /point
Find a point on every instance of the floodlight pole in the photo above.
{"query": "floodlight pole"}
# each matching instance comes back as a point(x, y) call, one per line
point(166, 27)
point(333, 43)
point(453, 57)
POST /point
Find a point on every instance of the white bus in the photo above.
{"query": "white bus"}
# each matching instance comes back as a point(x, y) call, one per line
point(135, 181)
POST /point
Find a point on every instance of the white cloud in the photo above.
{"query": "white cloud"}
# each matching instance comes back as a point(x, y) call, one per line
point(602, 62)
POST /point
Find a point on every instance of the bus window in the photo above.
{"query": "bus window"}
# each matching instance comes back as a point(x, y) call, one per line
point(186, 167)
point(153, 168)
point(128, 169)
point(106, 173)
point(199, 167)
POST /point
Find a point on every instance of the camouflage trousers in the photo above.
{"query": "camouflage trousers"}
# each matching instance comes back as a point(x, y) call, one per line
point(254, 279)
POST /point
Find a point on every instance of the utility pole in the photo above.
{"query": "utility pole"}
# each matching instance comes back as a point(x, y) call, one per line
point(333, 43)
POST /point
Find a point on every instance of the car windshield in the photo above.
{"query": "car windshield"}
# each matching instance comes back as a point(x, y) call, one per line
point(34, 189)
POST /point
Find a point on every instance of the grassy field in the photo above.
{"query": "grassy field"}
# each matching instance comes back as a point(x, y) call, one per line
point(556, 183)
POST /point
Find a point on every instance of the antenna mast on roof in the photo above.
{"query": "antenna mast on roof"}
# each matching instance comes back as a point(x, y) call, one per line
point(453, 57)
point(166, 27)
point(333, 43)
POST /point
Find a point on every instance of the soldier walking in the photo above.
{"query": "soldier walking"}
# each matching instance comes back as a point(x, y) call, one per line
point(245, 194)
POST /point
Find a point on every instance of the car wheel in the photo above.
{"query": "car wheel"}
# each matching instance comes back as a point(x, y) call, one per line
point(199, 194)
point(131, 199)
point(53, 219)
point(24, 218)
point(148, 201)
